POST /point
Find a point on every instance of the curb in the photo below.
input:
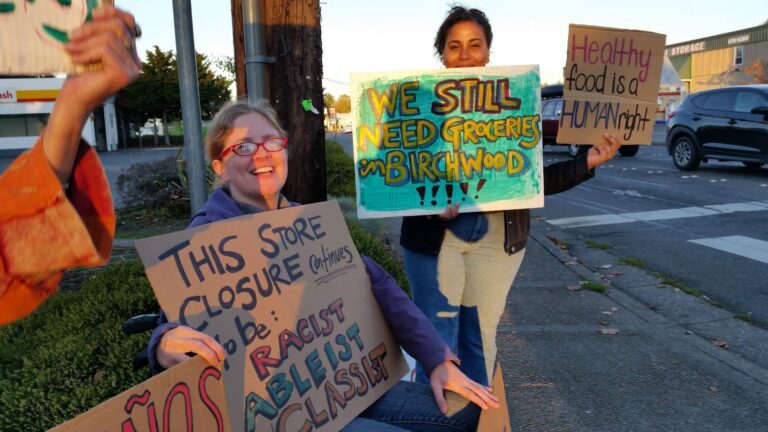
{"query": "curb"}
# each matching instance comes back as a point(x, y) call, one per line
point(618, 294)
point(123, 244)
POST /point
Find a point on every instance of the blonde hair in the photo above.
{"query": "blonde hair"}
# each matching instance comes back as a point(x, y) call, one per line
point(224, 119)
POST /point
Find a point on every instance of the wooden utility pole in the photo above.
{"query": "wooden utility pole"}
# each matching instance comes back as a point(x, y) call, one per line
point(239, 44)
point(292, 30)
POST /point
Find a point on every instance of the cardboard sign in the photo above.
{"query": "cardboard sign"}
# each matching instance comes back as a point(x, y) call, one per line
point(191, 393)
point(496, 420)
point(424, 140)
point(611, 82)
point(32, 34)
point(287, 295)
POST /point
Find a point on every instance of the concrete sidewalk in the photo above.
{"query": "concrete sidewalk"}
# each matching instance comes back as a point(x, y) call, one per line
point(643, 356)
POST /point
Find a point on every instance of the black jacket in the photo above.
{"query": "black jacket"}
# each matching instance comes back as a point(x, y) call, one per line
point(424, 234)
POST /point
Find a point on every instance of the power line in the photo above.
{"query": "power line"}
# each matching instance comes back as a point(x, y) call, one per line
point(335, 81)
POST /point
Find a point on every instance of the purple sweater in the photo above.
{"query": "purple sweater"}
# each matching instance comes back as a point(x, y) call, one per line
point(412, 330)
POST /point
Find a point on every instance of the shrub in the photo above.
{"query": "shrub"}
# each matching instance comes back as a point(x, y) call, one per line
point(368, 244)
point(154, 184)
point(149, 141)
point(340, 171)
point(71, 354)
point(376, 226)
point(160, 184)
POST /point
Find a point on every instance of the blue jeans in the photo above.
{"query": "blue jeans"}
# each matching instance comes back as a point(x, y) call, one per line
point(463, 290)
point(412, 407)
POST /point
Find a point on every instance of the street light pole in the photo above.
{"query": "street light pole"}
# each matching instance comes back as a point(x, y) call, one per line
point(190, 103)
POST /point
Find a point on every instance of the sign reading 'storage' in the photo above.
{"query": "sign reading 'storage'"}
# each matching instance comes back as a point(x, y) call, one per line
point(425, 140)
point(287, 295)
point(32, 34)
point(611, 84)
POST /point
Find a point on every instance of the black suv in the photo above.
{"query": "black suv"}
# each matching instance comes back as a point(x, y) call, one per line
point(551, 108)
point(727, 124)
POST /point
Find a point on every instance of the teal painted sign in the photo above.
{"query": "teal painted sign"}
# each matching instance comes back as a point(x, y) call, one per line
point(429, 139)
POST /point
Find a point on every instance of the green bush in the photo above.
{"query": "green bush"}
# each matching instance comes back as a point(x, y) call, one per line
point(160, 186)
point(154, 184)
point(70, 355)
point(340, 171)
point(367, 244)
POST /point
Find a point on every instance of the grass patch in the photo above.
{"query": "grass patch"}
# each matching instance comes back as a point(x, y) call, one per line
point(560, 243)
point(744, 317)
point(597, 245)
point(70, 354)
point(634, 262)
point(340, 171)
point(149, 220)
point(679, 285)
point(594, 286)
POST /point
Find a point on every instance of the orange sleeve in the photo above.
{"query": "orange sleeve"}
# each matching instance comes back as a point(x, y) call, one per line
point(45, 230)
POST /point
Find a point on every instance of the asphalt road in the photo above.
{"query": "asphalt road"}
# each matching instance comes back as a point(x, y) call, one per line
point(704, 229)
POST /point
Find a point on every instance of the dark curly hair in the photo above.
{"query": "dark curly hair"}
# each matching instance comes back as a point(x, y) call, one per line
point(457, 14)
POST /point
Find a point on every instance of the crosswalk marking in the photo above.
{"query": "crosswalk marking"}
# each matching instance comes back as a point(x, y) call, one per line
point(686, 212)
point(739, 245)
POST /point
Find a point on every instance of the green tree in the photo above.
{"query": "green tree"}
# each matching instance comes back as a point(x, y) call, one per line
point(329, 101)
point(225, 64)
point(343, 104)
point(758, 70)
point(155, 94)
point(214, 89)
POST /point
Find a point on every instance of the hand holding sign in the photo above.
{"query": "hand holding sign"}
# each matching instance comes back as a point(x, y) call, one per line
point(106, 40)
point(101, 41)
point(177, 342)
point(33, 34)
point(603, 152)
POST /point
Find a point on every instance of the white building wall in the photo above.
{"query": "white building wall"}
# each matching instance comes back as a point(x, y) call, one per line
point(20, 108)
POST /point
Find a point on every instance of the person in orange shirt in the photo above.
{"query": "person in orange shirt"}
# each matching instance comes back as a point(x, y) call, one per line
point(56, 209)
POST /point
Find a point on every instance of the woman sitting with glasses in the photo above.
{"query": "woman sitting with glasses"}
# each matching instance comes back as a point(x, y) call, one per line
point(247, 148)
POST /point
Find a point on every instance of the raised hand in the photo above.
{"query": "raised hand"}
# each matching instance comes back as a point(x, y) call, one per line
point(601, 153)
point(106, 46)
point(451, 212)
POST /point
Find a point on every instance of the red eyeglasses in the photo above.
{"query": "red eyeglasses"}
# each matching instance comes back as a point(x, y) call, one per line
point(248, 148)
